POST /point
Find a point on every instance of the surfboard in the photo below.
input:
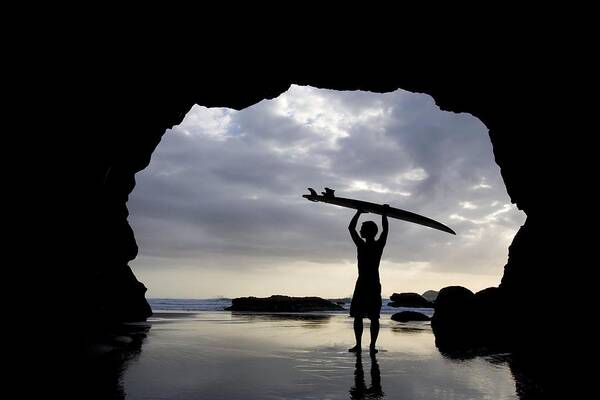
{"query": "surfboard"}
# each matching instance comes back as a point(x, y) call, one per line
point(328, 196)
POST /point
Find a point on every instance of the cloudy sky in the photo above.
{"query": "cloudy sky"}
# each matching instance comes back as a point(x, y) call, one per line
point(219, 210)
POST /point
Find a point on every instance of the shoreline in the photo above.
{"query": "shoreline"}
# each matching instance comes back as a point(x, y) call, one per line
point(192, 305)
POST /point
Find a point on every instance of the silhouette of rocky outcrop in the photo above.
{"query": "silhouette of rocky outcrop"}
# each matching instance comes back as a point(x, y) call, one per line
point(454, 320)
point(464, 319)
point(283, 304)
point(414, 300)
point(406, 316)
point(341, 301)
point(430, 295)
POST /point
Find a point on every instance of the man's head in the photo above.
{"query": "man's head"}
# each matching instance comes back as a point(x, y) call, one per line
point(368, 230)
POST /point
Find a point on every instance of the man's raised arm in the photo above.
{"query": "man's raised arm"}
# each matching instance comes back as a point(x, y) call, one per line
point(384, 224)
point(352, 228)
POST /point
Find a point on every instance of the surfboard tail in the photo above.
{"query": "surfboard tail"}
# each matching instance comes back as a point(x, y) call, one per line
point(313, 196)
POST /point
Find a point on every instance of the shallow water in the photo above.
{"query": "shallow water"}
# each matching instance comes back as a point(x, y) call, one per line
point(225, 355)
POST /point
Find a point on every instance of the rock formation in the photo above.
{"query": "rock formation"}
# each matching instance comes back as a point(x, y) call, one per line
point(414, 300)
point(278, 303)
point(431, 295)
point(406, 316)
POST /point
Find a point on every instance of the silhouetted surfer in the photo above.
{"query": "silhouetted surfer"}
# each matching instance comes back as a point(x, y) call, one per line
point(366, 301)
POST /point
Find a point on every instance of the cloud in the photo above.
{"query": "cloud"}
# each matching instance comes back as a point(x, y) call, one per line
point(226, 185)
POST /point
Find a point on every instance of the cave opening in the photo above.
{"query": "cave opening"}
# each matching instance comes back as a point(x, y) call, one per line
point(218, 212)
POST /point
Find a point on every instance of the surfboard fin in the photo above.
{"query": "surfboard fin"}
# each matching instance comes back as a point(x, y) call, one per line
point(312, 193)
point(328, 192)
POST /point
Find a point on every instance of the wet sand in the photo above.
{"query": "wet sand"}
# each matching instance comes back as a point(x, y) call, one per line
point(225, 355)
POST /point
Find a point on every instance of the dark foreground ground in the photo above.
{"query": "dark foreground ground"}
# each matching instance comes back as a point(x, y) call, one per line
point(225, 355)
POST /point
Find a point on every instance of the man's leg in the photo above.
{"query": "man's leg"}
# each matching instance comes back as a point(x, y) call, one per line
point(358, 329)
point(374, 334)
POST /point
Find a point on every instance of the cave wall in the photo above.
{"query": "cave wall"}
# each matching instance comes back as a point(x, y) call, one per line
point(511, 101)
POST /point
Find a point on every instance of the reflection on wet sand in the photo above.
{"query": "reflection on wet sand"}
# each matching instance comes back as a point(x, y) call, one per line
point(407, 330)
point(223, 355)
point(527, 383)
point(360, 389)
point(110, 354)
point(306, 320)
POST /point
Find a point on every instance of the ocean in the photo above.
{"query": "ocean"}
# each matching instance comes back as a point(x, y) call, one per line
point(219, 304)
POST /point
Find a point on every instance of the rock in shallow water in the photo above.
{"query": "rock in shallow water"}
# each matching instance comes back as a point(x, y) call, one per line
point(406, 316)
point(413, 300)
point(467, 320)
point(430, 295)
point(278, 303)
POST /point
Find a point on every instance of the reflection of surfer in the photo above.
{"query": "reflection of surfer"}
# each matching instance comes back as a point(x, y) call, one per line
point(360, 389)
point(366, 300)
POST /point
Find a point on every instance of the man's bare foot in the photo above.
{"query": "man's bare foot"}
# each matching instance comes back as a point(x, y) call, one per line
point(373, 350)
point(355, 349)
